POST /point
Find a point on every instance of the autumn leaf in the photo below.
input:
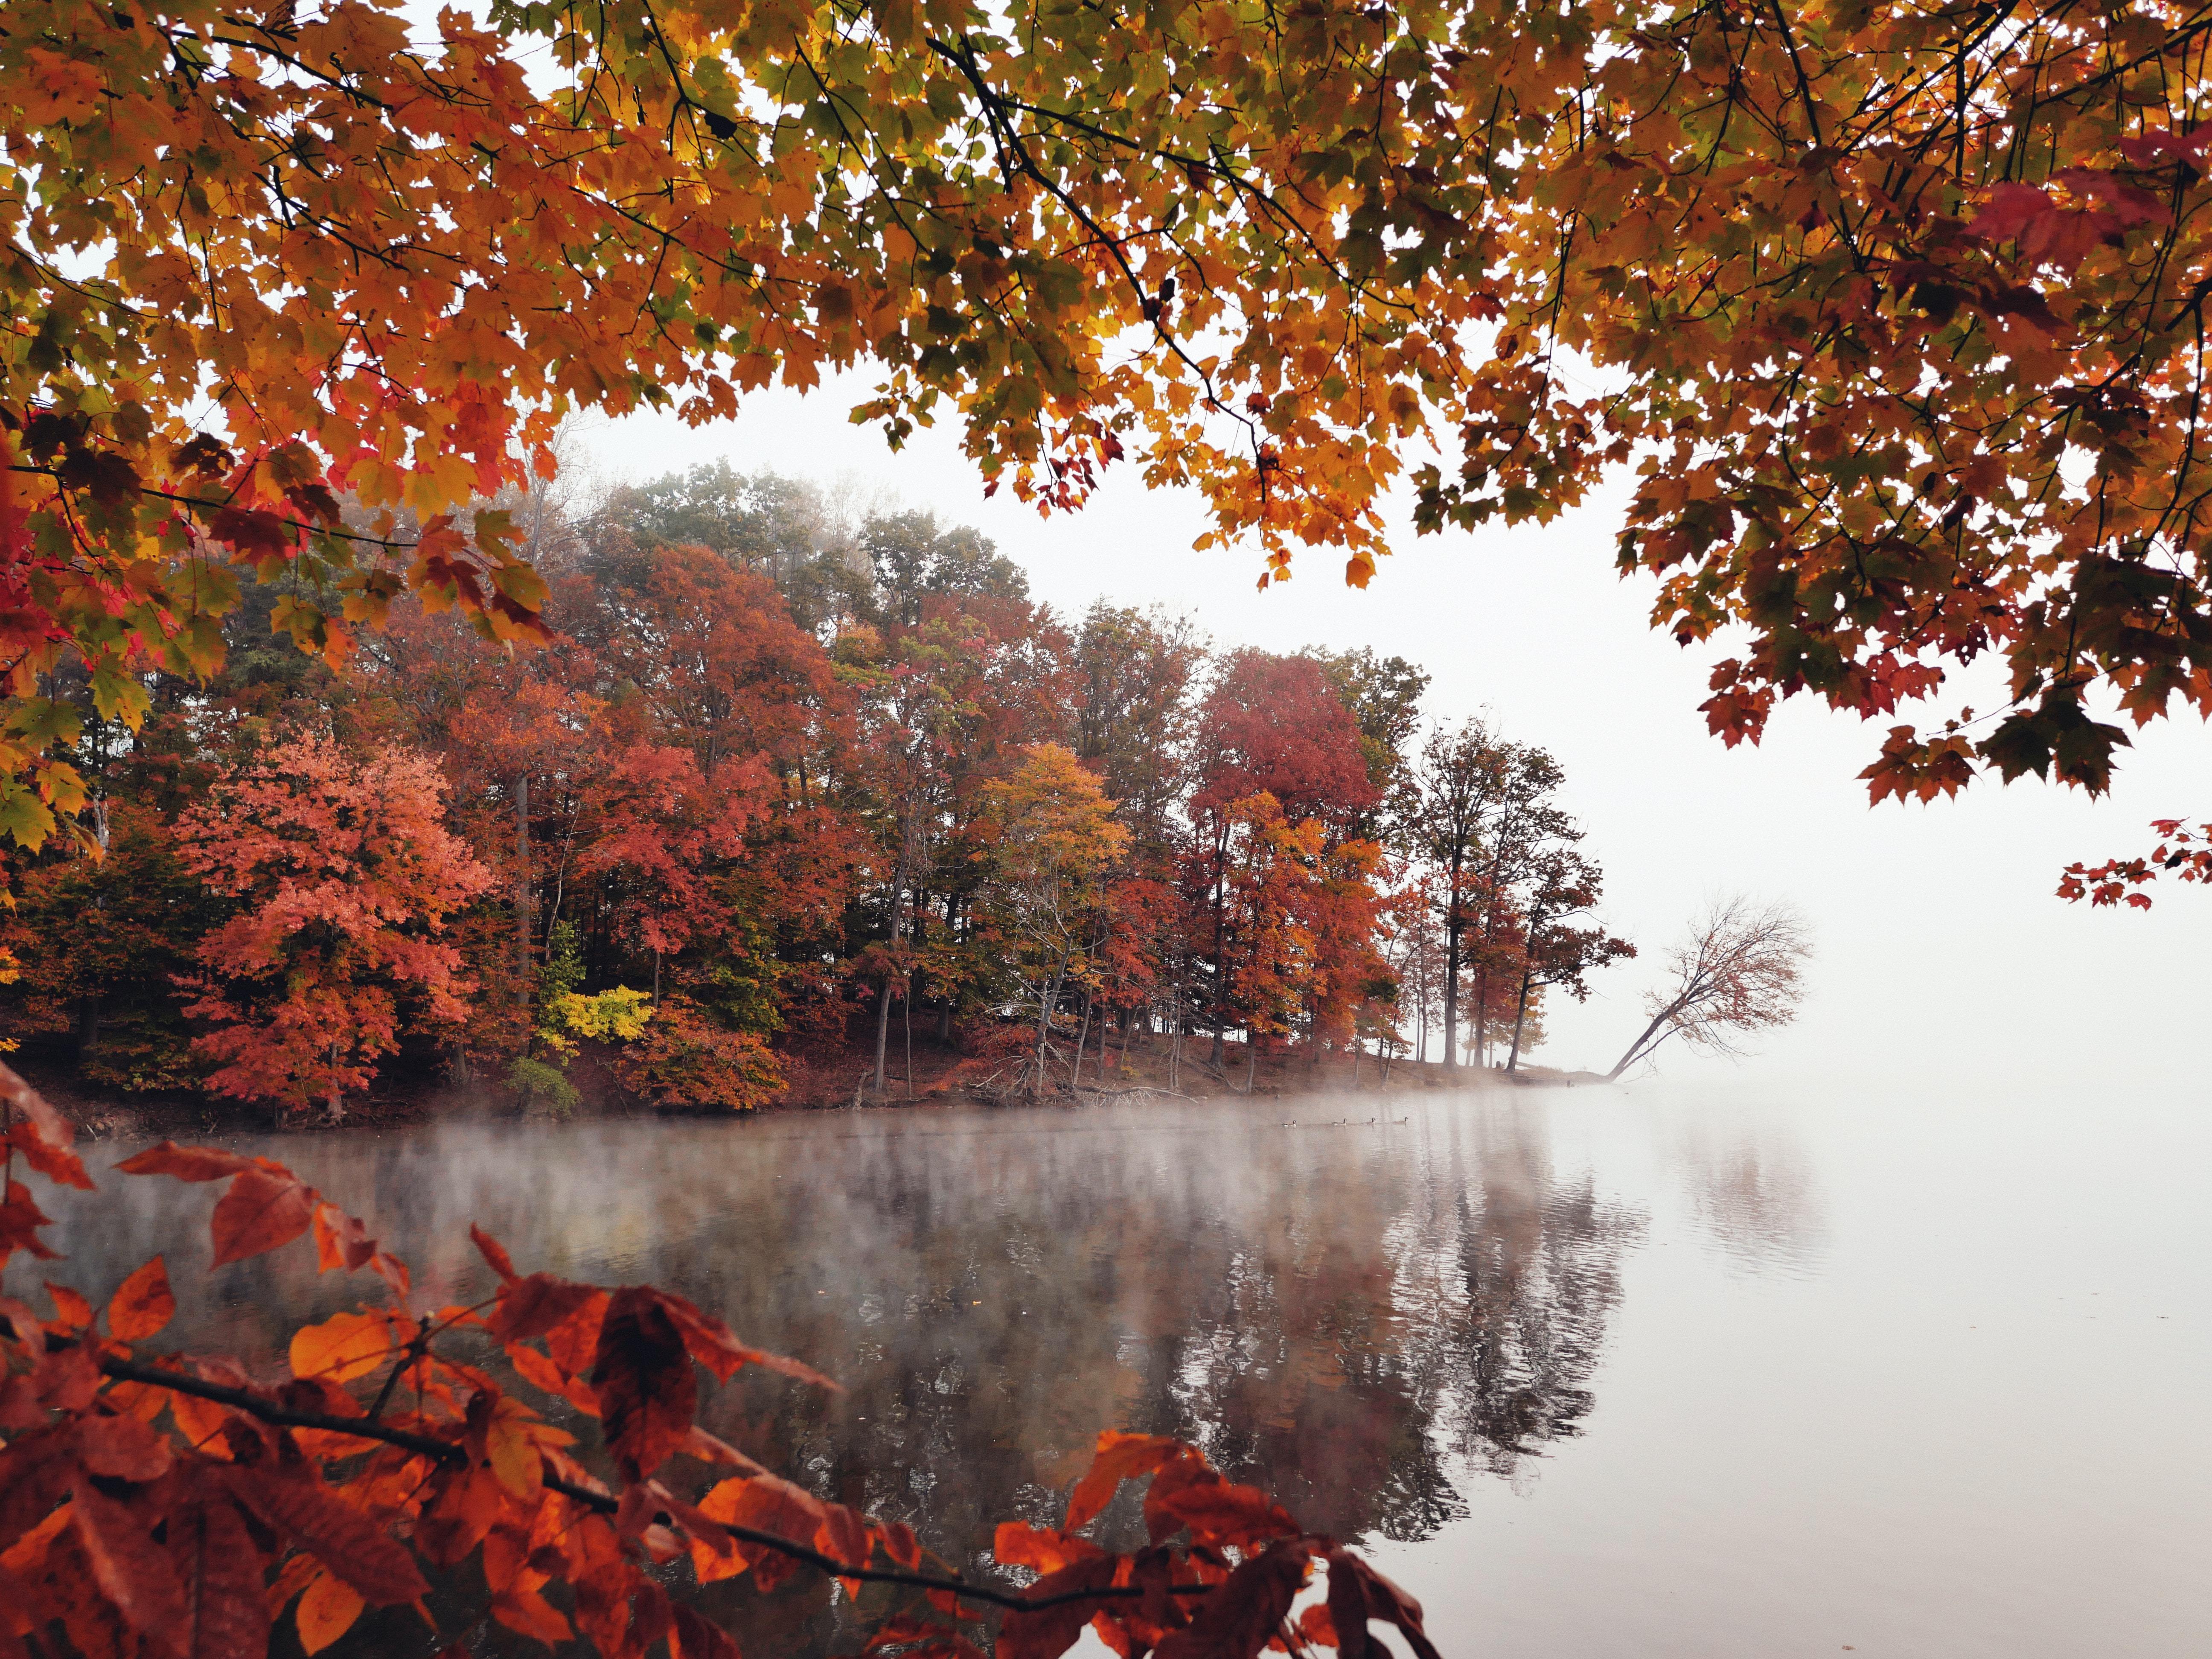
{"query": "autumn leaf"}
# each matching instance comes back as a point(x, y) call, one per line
point(186, 1162)
point(133, 1573)
point(342, 1347)
point(72, 1312)
point(337, 1534)
point(765, 1502)
point(1243, 1613)
point(327, 1611)
point(493, 1252)
point(1381, 1599)
point(227, 1614)
point(643, 1377)
point(525, 1612)
point(123, 1448)
point(263, 1209)
point(1119, 1457)
point(1050, 1632)
point(697, 1636)
point(142, 1304)
point(534, 1306)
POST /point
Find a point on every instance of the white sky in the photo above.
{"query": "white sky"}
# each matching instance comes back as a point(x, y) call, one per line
point(1941, 948)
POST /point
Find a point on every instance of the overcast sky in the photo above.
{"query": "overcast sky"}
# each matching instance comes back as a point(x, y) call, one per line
point(1941, 946)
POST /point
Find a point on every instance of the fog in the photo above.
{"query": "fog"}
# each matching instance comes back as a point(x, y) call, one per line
point(1942, 950)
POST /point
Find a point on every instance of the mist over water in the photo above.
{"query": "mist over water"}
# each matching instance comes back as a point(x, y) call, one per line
point(1651, 1372)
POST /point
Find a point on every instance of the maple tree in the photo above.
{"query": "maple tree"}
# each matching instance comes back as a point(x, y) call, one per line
point(342, 876)
point(156, 1503)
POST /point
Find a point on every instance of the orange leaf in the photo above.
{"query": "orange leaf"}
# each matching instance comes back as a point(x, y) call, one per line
point(342, 1347)
point(528, 1614)
point(327, 1612)
point(72, 1312)
point(142, 1304)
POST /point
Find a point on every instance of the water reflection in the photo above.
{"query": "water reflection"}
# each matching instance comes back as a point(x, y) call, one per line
point(1356, 1316)
point(1753, 1195)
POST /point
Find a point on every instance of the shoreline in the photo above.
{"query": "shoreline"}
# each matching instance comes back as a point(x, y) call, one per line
point(839, 1080)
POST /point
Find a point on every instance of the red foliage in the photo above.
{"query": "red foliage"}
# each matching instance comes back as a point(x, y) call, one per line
point(345, 876)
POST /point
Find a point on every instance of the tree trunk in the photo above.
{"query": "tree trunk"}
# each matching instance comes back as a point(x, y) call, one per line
point(883, 1031)
point(1637, 1049)
point(1452, 924)
point(1251, 1058)
point(87, 1029)
point(1220, 977)
point(1520, 1018)
point(522, 892)
point(1046, 1004)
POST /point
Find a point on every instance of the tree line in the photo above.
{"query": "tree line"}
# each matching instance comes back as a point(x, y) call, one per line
point(786, 777)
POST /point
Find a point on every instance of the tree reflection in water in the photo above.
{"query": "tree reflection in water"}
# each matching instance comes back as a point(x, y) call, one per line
point(1353, 1316)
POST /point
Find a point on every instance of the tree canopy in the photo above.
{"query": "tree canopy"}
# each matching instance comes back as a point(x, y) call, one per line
point(1893, 311)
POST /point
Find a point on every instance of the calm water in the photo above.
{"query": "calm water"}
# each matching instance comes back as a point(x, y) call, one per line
point(1651, 1372)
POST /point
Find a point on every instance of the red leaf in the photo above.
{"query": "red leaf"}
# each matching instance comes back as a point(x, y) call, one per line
point(121, 1447)
point(1018, 1545)
point(72, 1312)
point(766, 1503)
point(1384, 1600)
point(712, 1346)
point(1189, 1492)
point(1119, 1457)
point(340, 1537)
point(532, 1307)
point(1240, 1616)
point(186, 1162)
point(131, 1571)
point(46, 1146)
point(1050, 1632)
point(494, 1252)
point(265, 1208)
point(642, 1374)
point(58, 1163)
point(226, 1604)
point(341, 1240)
point(697, 1638)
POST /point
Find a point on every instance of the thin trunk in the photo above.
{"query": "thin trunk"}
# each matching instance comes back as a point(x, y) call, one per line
point(1637, 1049)
point(1046, 1004)
point(1220, 976)
point(1251, 1058)
point(1082, 1037)
point(1519, 1019)
point(1452, 925)
point(898, 904)
point(906, 1010)
point(883, 1031)
point(522, 891)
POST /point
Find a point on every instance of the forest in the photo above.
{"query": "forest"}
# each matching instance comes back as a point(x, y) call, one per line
point(791, 783)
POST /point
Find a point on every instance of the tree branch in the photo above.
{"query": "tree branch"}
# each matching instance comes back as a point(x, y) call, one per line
point(447, 1451)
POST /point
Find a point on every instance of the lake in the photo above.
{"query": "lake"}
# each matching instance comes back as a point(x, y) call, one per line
point(1664, 1370)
